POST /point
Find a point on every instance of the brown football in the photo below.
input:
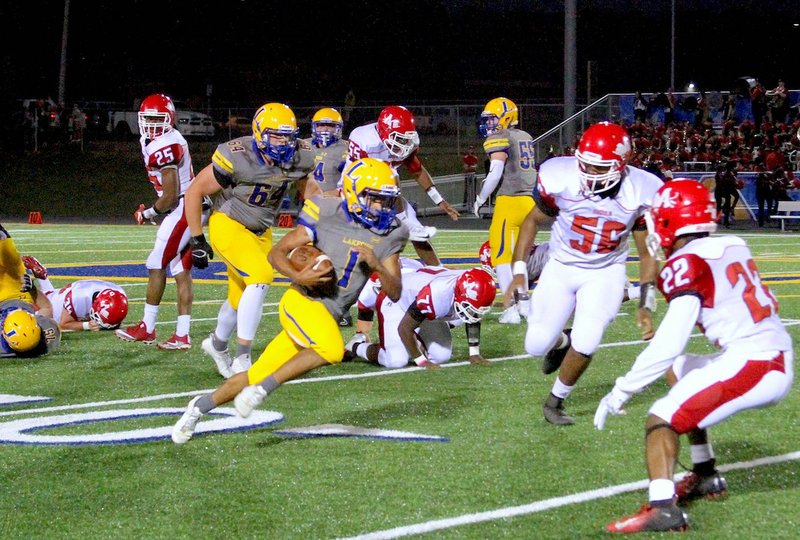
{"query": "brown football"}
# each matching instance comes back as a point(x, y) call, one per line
point(303, 256)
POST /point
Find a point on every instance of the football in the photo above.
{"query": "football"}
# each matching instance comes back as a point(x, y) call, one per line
point(303, 256)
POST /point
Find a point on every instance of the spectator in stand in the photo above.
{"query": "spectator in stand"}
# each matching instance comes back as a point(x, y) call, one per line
point(669, 107)
point(780, 187)
point(757, 103)
point(640, 105)
point(764, 196)
point(470, 166)
point(778, 102)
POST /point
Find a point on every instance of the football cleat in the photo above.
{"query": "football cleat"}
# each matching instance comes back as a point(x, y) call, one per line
point(510, 316)
point(248, 399)
point(222, 359)
point(176, 343)
point(554, 358)
point(554, 412)
point(137, 332)
point(184, 428)
point(37, 269)
point(651, 518)
point(693, 486)
point(346, 320)
point(241, 363)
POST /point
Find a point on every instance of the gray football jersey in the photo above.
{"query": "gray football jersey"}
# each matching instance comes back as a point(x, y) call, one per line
point(252, 189)
point(328, 163)
point(334, 233)
point(519, 174)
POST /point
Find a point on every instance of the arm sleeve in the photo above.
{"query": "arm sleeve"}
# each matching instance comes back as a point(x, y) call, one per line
point(493, 178)
point(668, 343)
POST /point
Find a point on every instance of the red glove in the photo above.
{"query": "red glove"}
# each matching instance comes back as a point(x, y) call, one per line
point(138, 215)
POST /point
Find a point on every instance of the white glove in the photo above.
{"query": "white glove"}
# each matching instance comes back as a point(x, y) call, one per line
point(479, 201)
point(611, 403)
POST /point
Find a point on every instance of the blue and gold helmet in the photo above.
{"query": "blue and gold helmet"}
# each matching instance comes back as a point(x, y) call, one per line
point(326, 127)
point(369, 189)
point(21, 331)
point(499, 113)
point(275, 132)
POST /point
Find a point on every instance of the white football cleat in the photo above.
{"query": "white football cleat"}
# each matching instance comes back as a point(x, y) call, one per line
point(222, 359)
point(421, 234)
point(184, 428)
point(248, 399)
point(510, 316)
point(241, 363)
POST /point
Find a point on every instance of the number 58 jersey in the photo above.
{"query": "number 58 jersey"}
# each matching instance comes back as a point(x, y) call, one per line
point(592, 232)
point(736, 309)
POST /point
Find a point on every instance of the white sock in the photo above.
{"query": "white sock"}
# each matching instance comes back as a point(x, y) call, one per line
point(150, 316)
point(250, 307)
point(361, 350)
point(561, 390)
point(504, 276)
point(701, 453)
point(661, 489)
point(226, 322)
point(183, 325)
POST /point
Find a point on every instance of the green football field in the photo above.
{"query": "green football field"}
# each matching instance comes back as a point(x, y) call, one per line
point(462, 452)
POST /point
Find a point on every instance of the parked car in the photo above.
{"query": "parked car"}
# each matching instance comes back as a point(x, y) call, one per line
point(190, 123)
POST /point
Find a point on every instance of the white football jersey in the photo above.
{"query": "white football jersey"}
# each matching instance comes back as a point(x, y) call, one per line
point(167, 151)
point(76, 297)
point(365, 142)
point(736, 308)
point(433, 289)
point(592, 232)
point(369, 294)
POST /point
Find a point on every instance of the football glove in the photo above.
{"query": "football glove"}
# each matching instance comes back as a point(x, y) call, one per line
point(476, 208)
point(138, 215)
point(611, 403)
point(201, 251)
point(26, 284)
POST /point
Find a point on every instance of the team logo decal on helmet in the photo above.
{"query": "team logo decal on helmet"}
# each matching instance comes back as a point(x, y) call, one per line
point(156, 116)
point(369, 189)
point(474, 294)
point(21, 331)
point(109, 308)
point(485, 257)
point(275, 132)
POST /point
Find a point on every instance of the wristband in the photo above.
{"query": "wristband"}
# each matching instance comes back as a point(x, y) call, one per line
point(420, 360)
point(647, 296)
point(86, 326)
point(150, 213)
point(434, 194)
point(519, 268)
point(474, 351)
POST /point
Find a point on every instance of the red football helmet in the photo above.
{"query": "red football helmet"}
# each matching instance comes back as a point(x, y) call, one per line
point(607, 147)
point(398, 131)
point(682, 206)
point(474, 294)
point(485, 256)
point(156, 116)
point(109, 308)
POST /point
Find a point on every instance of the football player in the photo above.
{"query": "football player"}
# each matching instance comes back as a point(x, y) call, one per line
point(394, 139)
point(86, 304)
point(169, 168)
point(594, 201)
point(513, 168)
point(248, 176)
point(711, 283)
point(330, 149)
point(417, 327)
point(360, 234)
point(23, 332)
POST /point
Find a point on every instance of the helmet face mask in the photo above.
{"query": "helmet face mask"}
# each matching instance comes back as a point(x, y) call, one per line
point(680, 207)
point(21, 331)
point(397, 129)
point(156, 116)
point(473, 295)
point(109, 309)
point(326, 127)
point(275, 132)
point(499, 113)
point(369, 189)
point(602, 157)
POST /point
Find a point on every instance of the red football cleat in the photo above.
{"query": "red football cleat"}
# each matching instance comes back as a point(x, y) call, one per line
point(651, 518)
point(137, 332)
point(693, 486)
point(37, 269)
point(176, 343)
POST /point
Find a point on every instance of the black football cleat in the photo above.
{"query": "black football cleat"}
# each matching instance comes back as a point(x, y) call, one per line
point(554, 358)
point(651, 518)
point(693, 486)
point(554, 412)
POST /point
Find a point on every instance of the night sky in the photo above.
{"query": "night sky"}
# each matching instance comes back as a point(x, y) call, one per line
point(253, 51)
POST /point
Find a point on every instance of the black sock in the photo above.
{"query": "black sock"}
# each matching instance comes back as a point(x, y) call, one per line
point(706, 468)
